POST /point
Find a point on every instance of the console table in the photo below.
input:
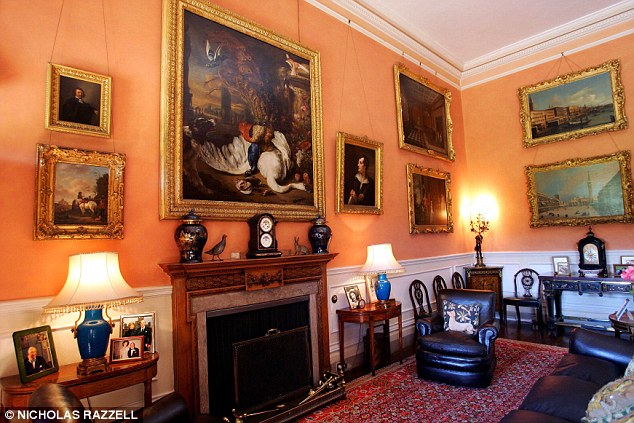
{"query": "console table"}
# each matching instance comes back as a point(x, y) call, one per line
point(553, 286)
point(121, 375)
point(488, 278)
point(371, 313)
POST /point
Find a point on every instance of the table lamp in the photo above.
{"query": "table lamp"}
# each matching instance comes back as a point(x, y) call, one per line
point(94, 283)
point(381, 261)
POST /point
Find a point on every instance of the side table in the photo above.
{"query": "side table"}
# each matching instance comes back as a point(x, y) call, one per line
point(625, 324)
point(488, 278)
point(369, 314)
point(16, 394)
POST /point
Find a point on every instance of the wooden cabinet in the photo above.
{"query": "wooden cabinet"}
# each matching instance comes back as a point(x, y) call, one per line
point(487, 277)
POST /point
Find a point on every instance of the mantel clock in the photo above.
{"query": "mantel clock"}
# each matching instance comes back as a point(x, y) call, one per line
point(262, 240)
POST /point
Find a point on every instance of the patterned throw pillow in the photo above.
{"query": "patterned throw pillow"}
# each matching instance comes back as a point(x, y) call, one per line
point(461, 317)
point(630, 368)
point(612, 403)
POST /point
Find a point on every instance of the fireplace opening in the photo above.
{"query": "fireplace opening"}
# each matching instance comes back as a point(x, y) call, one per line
point(228, 327)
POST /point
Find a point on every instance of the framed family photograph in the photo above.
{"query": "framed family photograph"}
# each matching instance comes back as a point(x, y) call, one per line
point(79, 194)
point(428, 200)
point(359, 175)
point(35, 353)
point(580, 192)
point(353, 294)
point(126, 349)
point(143, 324)
point(78, 101)
point(241, 122)
point(422, 109)
point(618, 268)
point(574, 105)
point(561, 266)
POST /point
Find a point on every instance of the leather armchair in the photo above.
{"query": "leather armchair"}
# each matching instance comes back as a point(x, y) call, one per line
point(458, 358)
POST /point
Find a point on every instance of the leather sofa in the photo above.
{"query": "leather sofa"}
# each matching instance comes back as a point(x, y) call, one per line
point(456, 357)
point(593, 360)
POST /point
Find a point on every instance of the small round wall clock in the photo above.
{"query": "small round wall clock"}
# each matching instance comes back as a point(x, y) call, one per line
point(262, 241)
point(592, 258)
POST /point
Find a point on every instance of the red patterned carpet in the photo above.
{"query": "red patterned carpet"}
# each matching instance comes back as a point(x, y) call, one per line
point(396, 394)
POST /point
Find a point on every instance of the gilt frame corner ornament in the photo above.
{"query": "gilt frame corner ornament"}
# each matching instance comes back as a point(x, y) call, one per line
point(79, 194)
point(587, 102)
point(241, 118)
point(78, 101)
point(581, 192)
point(428, 200)
point(359, 190)
point(423, 115)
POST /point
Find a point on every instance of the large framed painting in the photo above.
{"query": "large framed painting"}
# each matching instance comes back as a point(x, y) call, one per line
point(580, 192)
point(359, 175)
point(79, 194)
point(78, 101)
point(422, 109)
point(574, 105)
point(428, 200)
point(241, 120)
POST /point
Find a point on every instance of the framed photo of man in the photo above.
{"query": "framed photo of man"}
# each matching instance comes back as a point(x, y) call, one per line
point(429, 200)
point(78, 101)
point(143, 324)
point(359, 175)
point(35, 353)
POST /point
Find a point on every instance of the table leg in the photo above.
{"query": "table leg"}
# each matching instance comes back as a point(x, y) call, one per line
point(147, 395)
point(372, 347)
point(550, 312)
point(341, 357)
point(400, 337)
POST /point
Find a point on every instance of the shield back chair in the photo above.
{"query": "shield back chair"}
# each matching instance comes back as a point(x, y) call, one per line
point(528, 293)
point(420, 302)
point(457, 281)
point(438, 284)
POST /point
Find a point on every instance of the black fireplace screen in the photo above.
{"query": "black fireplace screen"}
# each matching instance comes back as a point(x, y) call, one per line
point(271, 368)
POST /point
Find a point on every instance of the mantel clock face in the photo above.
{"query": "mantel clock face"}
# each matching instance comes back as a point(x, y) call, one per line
point(262, 241)
point(592, 253)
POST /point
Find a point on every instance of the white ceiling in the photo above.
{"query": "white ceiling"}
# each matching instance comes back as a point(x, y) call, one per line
point(466, 36)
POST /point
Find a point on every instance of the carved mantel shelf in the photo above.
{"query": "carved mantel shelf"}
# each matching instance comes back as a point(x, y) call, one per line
point(195, 284)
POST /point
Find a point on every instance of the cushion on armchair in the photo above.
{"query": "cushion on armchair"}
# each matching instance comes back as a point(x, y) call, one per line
point(461, 317)
point(612, 402)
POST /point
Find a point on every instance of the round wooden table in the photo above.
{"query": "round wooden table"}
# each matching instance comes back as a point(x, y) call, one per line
point(624, 324)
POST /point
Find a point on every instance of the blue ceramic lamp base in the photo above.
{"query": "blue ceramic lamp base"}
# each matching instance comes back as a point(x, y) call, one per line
point(383, 289)
point(92, 336)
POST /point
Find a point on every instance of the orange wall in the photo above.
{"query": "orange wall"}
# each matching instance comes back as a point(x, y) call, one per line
point(358, 98)
point(496, 156)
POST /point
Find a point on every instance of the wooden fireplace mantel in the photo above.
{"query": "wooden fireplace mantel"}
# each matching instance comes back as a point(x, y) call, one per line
point(209, 278)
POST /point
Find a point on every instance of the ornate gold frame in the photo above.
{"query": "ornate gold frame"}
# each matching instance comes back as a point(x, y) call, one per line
point(562, 114)
point(577, 212)
point(359, 143)
point(418, 228)
point(403, 100)
point(173, 204)
point(54, 101)
point(48, 157)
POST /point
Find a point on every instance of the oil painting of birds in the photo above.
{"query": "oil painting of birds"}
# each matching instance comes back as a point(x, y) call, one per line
point(217, 249)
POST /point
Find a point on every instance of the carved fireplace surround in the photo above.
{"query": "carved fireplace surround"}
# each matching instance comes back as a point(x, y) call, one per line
point(221, 285)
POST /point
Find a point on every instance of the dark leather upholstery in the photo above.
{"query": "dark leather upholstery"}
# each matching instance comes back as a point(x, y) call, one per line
point(458, 358)
point(594, 360)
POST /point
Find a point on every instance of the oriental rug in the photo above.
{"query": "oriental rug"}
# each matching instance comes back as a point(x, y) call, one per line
point(396, 394)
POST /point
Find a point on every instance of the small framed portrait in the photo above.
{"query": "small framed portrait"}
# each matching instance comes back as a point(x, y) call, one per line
point(561, 266)
point(35, 353)
point(353, 294)
point(627, 260)
point(129, 348)
point(359, 175)
point(618, 268)
point(78, 101)
point(143, 324)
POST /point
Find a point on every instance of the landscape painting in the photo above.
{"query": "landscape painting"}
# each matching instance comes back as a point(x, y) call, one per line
point(573, 105)
point(242, 128)
point(581, 191)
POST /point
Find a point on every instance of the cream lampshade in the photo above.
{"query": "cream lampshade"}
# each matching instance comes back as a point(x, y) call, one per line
point(94, 283)
point(380, 261)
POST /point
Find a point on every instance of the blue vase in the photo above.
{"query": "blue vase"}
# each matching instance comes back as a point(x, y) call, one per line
point(383, 288)
point(319, 235)
point(93, 335)
point(191, 237)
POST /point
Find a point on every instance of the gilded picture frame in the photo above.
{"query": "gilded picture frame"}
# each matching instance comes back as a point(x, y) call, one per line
point(423, 114)
point(359, 175)
point(241, 119)
point(586, 102)
point(43, 362)
point(79, 194)
point(428, 200)
point(581, 192)
point(78, 101)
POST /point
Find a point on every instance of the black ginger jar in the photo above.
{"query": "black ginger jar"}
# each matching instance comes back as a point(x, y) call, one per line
point(190, 237)
point(319, 235)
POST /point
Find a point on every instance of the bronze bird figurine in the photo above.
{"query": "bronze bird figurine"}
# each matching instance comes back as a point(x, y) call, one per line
point(217, 249)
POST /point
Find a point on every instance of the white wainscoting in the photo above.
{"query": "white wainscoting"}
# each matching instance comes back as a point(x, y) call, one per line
point(23, 314)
